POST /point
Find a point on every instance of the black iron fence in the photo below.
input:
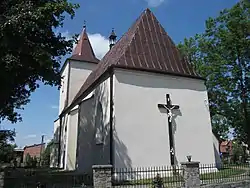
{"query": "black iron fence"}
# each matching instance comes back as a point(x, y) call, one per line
point(214, 174)
point(155, 177)
point(33, 178)
point(152, 177)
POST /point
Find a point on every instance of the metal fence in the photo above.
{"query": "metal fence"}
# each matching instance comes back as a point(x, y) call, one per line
point(155, 177)
point(46, 179)
point(214, 174)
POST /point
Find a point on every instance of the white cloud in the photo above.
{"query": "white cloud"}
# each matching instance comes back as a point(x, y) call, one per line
point(154, 3)
point(65, 34)
point(54, 106)
point(30, 136)
point(100, 44)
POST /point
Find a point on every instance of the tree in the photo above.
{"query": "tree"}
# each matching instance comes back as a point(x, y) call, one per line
point(7, 145)
point(193, 50)
point(223, 55)
point(30, 49)
point(28, 160)
point(45, 162)
point(238, 152)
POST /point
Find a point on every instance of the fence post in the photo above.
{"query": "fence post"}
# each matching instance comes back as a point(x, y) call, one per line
point(191, 174)
point(102, 176)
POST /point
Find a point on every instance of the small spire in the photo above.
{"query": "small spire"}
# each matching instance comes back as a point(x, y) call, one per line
point(147, 10)
point(84, 24)
point(112, 38)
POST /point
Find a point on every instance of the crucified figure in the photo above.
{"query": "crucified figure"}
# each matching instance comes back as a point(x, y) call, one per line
point(170, 114)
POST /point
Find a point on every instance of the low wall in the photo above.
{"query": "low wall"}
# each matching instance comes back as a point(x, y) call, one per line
point(20, 177)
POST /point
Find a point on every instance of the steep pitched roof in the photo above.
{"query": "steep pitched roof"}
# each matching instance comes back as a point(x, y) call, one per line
point(145, 47)
point(83, 50)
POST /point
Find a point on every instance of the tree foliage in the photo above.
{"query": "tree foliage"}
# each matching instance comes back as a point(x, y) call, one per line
point(7, 145)
point(30, 49)
point(30, 162)
point(222, 55)
point(45, 162)
point(238, 152)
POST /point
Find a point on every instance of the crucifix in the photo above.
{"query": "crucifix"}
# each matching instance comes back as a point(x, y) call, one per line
point(169, 107)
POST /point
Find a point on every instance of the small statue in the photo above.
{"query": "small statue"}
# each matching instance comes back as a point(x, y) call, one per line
point(158, 182)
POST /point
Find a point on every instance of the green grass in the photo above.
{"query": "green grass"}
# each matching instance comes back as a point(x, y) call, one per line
point(228, 172)
point(166, 180)
point(224, 173)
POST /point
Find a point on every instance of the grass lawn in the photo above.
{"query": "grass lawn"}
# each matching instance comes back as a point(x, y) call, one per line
point(173, 181)
point(224, 173)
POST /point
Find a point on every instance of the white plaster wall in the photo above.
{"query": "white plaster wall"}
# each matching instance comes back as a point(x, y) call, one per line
point(64, 138)
point(54, 153)
point(141, 129)
point(79, 71)
point(63, 89)
point(216, 150)
point(93, 143)
point(72, 139)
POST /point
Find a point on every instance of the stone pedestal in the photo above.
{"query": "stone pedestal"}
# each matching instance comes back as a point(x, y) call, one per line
point(191, 174)
point(102, 176)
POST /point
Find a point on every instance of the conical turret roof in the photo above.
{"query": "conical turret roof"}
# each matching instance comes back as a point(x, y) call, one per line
point(83, 50)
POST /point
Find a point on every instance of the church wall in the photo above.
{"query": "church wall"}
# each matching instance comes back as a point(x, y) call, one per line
point(63, 140)
point(93, 143)
point(72, 139)
point(63, 89)
point(79, 71)
point(54, 153)
point(216, 145)
point(141, 129)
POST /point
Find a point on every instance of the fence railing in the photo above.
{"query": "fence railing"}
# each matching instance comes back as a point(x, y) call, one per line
point(152, 176)
point(188, 174)
point(210, 174)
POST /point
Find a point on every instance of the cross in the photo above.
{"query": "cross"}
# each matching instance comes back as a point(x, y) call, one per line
point(169, 107)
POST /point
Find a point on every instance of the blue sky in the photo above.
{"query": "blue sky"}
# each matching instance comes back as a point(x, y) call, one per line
point(180, 18)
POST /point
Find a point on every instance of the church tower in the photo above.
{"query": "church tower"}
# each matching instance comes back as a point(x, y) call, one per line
point(76, 69)
point(74, 73)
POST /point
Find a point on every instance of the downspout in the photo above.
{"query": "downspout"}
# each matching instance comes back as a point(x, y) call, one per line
point(77, 139)
point(111, 116)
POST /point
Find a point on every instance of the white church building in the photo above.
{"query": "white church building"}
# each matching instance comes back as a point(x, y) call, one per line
point(141, 105)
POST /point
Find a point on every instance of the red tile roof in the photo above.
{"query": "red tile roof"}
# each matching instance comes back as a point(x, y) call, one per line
point(145, 47)
point(226, 147)
point(83, 50)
